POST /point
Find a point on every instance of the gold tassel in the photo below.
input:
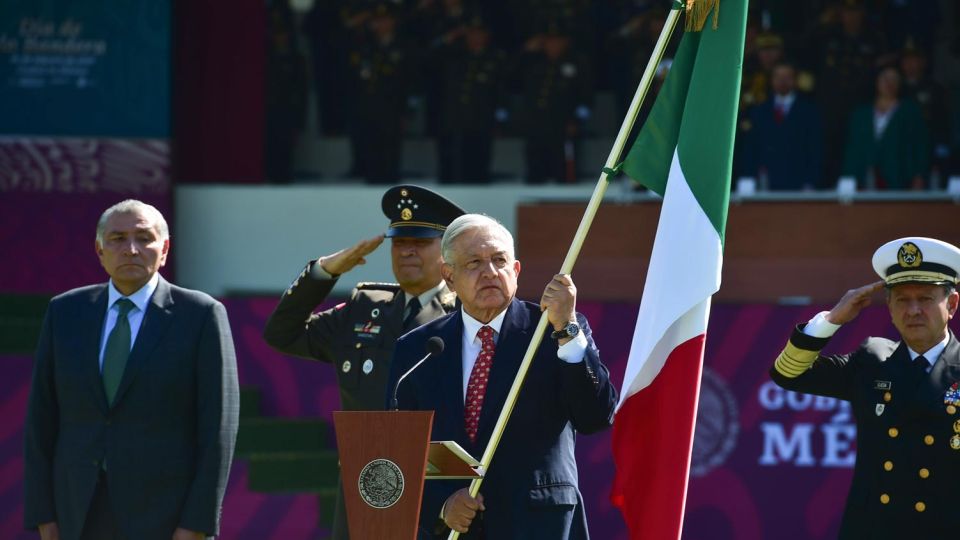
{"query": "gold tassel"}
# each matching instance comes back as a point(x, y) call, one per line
point(697, 13)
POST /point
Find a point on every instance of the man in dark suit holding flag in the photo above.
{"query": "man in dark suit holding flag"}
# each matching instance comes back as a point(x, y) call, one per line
point(134, 404)
point(530, 491)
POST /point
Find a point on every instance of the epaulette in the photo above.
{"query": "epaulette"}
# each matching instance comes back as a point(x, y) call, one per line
point(377, 286)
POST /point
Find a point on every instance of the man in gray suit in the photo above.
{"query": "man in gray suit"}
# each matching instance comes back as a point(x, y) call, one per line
point(134, 403)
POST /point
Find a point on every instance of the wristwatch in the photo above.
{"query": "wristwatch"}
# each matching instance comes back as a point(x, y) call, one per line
point(571, 330)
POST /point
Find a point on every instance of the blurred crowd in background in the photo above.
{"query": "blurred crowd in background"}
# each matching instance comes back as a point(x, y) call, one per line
point(865, 89)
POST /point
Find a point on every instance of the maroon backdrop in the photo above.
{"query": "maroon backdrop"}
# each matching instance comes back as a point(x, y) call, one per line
point(218, 73)
point(767, 463)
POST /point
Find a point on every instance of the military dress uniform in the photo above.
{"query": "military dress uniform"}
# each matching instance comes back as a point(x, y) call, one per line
point(380, 69)
point(358, 336)
point(908, 425)
point(553, 91)
point(473, 89)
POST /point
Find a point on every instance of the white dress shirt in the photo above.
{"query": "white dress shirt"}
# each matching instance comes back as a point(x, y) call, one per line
point(140, 300)
point(784, 103)
point(571, 352)
point(820, 327)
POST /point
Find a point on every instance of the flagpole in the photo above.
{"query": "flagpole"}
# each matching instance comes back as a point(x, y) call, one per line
point(578, 240)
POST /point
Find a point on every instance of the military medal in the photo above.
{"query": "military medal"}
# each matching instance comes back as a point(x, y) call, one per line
point(367, 366)
point(375, 313)
point(952, 396)
point(366, 330)
point(879, 408)
point(346, 367)
point(955, 442)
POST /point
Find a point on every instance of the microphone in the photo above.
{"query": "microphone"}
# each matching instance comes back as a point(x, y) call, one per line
point(434, 346)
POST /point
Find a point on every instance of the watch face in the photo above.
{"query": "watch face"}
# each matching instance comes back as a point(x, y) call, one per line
point(573, 329)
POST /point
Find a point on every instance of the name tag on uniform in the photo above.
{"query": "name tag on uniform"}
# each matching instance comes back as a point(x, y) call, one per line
point(882, 385)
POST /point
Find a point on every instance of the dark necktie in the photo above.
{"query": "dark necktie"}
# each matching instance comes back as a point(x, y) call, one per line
point(477, 385)
point(921, 364)
point(117, 350)
point(413, 309)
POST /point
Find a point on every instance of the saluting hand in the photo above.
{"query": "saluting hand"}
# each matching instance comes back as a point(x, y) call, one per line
point(460, 509)
point(344, 260)
point(853, 302)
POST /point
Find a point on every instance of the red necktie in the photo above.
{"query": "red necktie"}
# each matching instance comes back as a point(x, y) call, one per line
point(477, 385)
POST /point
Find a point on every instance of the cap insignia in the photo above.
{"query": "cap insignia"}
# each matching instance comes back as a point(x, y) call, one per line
point(406, 214)
point(909, 255)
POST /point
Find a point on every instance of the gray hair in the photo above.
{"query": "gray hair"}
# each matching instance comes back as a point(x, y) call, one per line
point(131, 206)
point(473, 221)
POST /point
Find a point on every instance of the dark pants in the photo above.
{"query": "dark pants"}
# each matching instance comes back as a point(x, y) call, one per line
point(101, 523)
point(465, 157)
point(341, 531)
point(545, 159)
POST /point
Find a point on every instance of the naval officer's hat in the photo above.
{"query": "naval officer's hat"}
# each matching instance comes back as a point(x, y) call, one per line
point(417, 212)
point(918, 260)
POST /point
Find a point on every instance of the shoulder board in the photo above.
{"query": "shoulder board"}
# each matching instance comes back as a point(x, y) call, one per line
point(376, 286)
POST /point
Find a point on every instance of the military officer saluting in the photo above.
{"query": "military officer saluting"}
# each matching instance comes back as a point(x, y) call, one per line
point(357, 336)
point(905, 395)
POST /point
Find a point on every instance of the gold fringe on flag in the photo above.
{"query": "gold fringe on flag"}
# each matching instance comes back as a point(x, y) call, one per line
point(697, 13)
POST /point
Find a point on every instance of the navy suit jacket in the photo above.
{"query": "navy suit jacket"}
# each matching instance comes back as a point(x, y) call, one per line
point(167, 439)
point(791, 151)
point(530, 490)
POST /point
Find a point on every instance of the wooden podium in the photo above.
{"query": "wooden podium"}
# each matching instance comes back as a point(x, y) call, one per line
point(383, 463)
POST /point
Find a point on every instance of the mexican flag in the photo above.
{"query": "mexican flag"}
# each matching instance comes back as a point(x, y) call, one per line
point(684, 152)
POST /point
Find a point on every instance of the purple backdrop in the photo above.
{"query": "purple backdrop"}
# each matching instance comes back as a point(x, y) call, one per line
point(767, 463)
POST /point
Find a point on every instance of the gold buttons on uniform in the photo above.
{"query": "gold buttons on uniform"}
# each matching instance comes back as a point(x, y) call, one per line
point(951, 409)
point(884, 498)
point(359, 345)
point(893, 432)
point(888, 465)
point(887, 396)
point(928, 440)
point(924, 473)
point(920, 506)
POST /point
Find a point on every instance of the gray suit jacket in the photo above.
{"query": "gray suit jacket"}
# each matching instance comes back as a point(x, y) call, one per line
point(168, 438)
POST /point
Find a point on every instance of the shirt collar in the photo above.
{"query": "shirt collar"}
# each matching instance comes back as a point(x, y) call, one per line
point(139, 298)
point(471, 326)
point(426, 297)
point(934, 353)
point(785, 101)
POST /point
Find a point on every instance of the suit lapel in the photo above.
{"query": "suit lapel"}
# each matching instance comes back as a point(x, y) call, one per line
point(450, 368)
point(945, 371)
point(511, 346)
point(90, 327)
point(155, 322)
point(394, 321)
point(442, 303)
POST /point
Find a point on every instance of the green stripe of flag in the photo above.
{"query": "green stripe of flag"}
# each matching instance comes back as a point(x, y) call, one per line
point(695, 113)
